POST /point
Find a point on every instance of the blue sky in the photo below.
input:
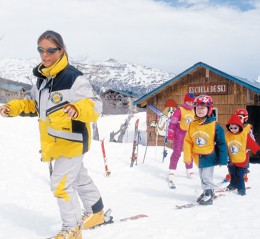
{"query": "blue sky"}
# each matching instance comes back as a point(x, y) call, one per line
point(243, 5)
point(169, 35)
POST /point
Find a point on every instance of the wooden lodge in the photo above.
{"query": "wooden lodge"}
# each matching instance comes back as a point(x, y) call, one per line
point(228, 93)
point(10, 90)
point(118, 102)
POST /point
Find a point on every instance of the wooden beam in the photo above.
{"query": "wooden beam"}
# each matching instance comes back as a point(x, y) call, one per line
point(207, 73)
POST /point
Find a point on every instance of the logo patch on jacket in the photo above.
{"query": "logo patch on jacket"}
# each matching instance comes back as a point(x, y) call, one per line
point(56, 97)
point(234, 147)
point(201, 139)
point(188, 118)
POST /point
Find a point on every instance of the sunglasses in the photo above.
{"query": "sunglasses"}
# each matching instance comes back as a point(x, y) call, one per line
point(233, 128)
point(241, 116)
point(49, 51)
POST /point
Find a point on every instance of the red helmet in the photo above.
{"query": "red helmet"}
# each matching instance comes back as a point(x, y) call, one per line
point(242, 113)
point(204, 100)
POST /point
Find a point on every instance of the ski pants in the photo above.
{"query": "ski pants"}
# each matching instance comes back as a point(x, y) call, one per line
point(206, 178)
point(69, 180)
point(237, 177)
point(177, 149)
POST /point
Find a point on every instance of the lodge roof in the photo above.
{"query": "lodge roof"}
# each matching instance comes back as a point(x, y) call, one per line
point(254, 86)
point(124, 92)
point(13, 86)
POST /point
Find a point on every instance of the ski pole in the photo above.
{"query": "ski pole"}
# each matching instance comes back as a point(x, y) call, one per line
point(164, 150)
point(165, 141)
point(148, 140)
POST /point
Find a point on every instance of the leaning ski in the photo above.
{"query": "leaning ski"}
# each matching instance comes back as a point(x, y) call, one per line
point(135, 142)
point(156, 111)
point(164, 128)
point(107, 171)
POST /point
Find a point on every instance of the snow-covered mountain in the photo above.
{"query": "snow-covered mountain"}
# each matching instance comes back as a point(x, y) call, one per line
point(103, 75)
point(18, 70)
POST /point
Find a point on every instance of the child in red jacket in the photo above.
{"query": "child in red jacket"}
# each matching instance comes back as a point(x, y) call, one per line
point(238, 142)
point(243, 115)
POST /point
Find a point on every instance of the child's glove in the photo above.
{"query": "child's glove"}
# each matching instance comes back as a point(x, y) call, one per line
point(171, 135)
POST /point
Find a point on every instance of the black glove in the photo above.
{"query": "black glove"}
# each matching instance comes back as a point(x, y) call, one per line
point(258, 153)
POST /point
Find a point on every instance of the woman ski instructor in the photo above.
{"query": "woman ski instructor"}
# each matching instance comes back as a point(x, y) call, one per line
point(66, 105)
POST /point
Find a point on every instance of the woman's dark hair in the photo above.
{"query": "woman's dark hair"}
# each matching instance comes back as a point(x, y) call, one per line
point(54, 37)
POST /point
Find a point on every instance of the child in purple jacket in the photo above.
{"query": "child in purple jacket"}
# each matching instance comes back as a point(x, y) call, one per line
point(177, 128)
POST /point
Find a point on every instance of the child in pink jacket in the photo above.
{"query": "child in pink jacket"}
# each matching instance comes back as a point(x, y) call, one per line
point(177, 128)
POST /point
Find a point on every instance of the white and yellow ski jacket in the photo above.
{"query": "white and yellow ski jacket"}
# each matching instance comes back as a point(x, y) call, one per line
point(60, 135)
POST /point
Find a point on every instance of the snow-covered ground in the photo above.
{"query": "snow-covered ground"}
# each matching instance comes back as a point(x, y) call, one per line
point(28, 209)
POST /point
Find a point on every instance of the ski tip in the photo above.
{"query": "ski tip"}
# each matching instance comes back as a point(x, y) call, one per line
point(133, 217)
point(189, 205)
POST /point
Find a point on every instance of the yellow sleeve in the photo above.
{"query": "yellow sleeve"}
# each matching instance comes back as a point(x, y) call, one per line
point(86, 111)
point(187, 148)
point(25, 106)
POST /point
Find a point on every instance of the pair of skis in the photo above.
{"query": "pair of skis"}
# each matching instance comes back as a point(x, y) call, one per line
point(109, 220)
point(161, 114)
point(134, 154)
point(190, 205)
point(134, 150)
point(219, 193)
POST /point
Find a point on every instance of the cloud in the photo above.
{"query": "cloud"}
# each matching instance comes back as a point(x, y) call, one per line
point(146, 32)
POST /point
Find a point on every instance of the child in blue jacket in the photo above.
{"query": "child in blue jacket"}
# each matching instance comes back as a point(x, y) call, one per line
point(205, 143)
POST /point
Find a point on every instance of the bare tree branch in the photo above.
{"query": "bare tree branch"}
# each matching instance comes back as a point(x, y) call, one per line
point(121, 131)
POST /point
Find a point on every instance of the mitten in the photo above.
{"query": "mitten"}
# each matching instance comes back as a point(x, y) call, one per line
point(170, 135)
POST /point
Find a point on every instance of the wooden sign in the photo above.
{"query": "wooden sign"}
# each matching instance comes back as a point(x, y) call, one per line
point(211, 88)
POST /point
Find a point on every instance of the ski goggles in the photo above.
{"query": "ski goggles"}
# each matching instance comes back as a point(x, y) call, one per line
point(242, 117)
point(234, 128)
point(201, 103)
point(48, 51)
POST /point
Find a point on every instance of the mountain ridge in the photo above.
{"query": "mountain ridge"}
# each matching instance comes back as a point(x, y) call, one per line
point(108, 74)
